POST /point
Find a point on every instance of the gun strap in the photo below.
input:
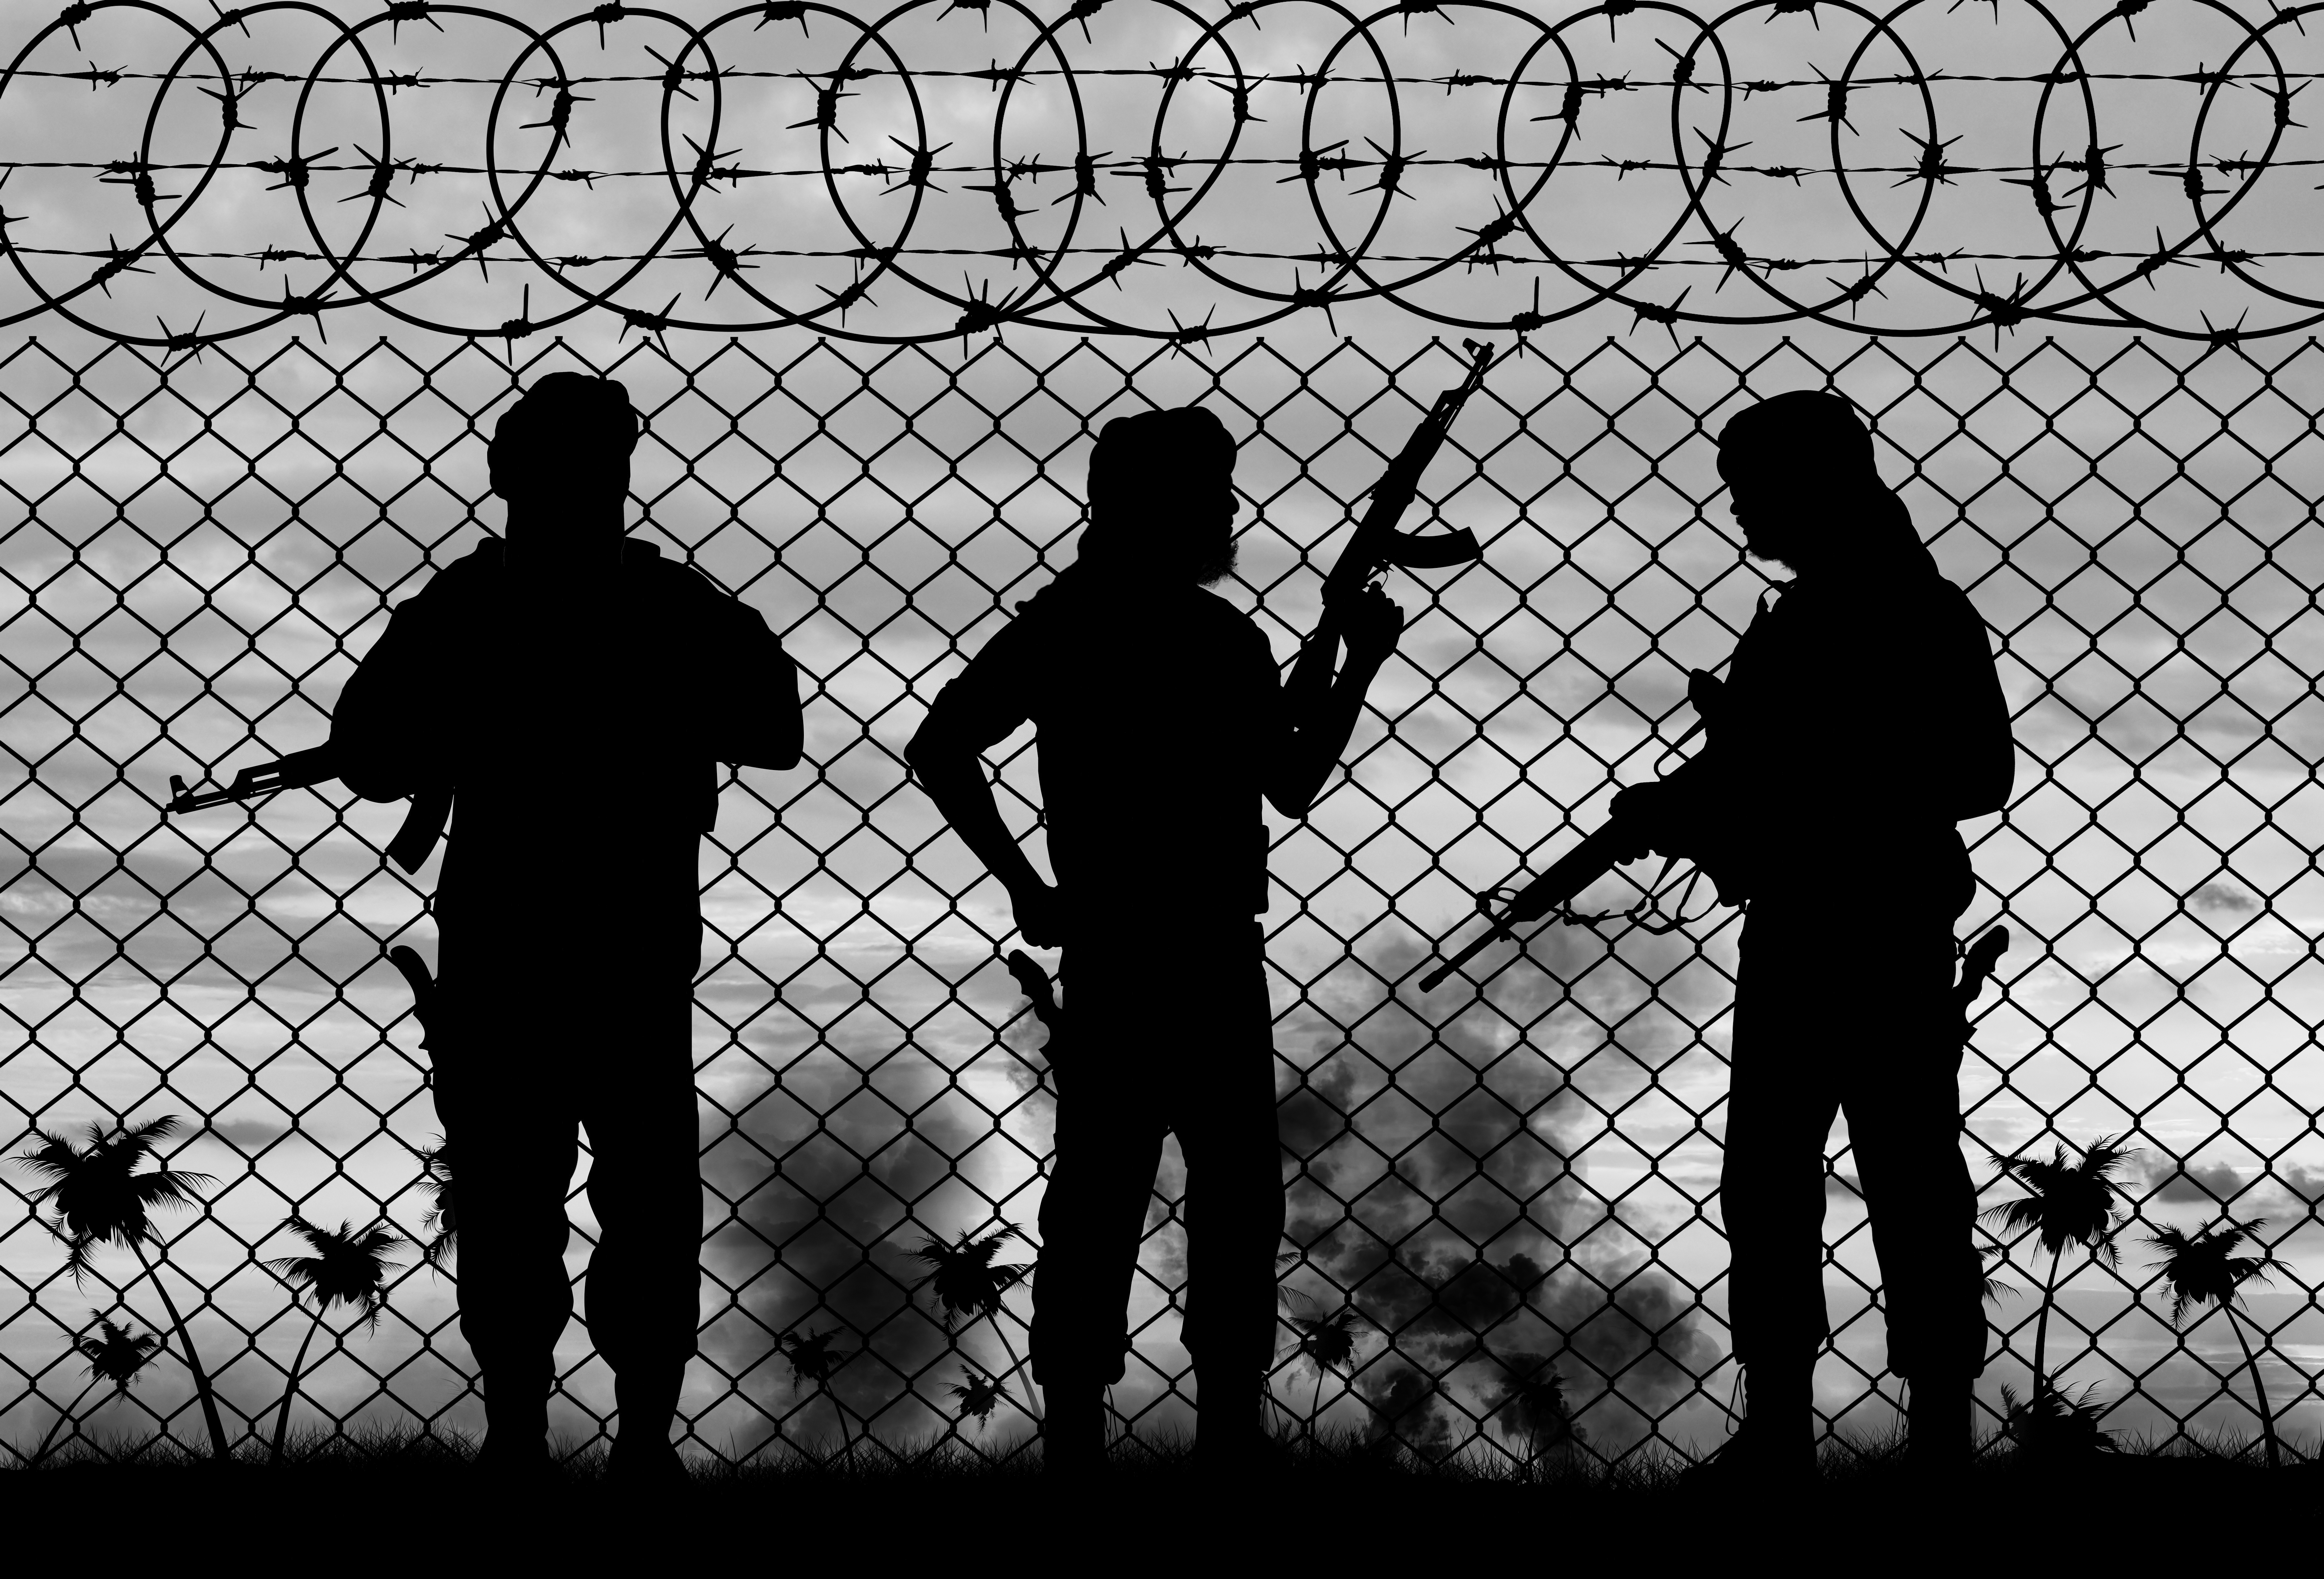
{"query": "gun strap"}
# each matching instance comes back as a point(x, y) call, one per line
point(423, 824)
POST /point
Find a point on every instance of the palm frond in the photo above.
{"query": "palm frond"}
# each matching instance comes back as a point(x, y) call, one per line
point(95, 1194)
point(348, 1268)
point(117, 1354)
point(2202, 1268)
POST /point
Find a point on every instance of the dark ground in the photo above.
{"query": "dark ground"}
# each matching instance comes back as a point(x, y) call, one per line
point(353, 1505)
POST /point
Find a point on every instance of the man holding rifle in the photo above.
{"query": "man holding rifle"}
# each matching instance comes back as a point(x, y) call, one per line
point(1161, 726)
point(1861, 720)
point(572, 694)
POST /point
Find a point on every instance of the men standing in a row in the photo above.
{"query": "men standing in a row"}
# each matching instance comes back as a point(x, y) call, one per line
point(1861, 720)
point(1160, 725)
point(577, 692)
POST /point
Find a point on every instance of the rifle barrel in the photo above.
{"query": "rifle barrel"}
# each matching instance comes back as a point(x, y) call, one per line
point(300, 770)
point(1567, 876)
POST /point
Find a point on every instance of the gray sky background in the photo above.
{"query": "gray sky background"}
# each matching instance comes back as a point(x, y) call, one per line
point(886, 520)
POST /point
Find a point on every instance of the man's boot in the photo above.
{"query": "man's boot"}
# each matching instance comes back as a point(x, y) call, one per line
point(1937, 1416)
point(1775, 1447)
point(516, 1430)
point(1072, 1430)
point(643, 1456)
point(1230, 1434)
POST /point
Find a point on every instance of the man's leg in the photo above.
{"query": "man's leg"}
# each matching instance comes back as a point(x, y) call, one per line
point(509, 1132)
point(1779, 1111)
point(1904, 1120)
point(1224, 1114)
point(1109, 1143)
point(643, 1298)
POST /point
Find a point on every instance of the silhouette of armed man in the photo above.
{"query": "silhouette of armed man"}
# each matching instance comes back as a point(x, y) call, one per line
point(577, 692)
point(1161, 726)
point(1861, 720)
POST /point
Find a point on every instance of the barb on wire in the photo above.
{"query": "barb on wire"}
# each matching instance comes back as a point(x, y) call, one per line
point(1539, 124)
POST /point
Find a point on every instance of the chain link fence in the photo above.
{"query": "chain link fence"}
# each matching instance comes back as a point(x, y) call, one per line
point(1509, 1190)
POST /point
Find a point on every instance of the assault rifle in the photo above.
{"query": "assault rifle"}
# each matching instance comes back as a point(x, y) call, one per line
point(423, 824)
point(1581, 865)
point(1378, 544)
point(1555, 888)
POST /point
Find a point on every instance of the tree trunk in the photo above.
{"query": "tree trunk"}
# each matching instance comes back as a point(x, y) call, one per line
point(2042, 1328)
point(41, 1452)
point(846, 1441)
point(2259, 1389)
point(291, 1388)
point(1017, 1368)
point(220, 1452)
point(1314, 1403)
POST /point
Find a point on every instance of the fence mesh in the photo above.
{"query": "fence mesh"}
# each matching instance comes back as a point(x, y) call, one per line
point(1506, 1184)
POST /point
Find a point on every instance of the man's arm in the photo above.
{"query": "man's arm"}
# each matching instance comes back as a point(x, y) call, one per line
point(385, 731)
point(1322, 720)
point(978, 709)
point(751, 711)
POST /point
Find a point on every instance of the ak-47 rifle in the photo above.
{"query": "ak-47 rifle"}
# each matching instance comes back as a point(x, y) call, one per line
point(1378, 544)
point(423, 824)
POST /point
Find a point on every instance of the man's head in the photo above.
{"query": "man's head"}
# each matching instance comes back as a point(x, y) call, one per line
point(1798, 468)
point(565, 446)
point(1161, 495)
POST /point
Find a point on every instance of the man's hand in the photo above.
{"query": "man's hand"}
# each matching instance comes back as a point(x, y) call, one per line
point(1638, 818)
point(1040, 914)
point(1369, 623)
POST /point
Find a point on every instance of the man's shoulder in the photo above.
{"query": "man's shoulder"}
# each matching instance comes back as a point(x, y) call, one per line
point(475, 573)
point(675, 583)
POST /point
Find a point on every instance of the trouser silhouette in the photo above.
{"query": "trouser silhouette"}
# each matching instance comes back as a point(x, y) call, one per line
point(1856, 1019)
point(1171, 1033)
point(519, 1073)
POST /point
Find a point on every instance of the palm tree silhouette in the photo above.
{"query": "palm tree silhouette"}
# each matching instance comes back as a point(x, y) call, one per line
point(441, 1221)
point(2202, 1268)
point(2065, 1204)
point(813, 1359)
point(968, 1288)
point(1532, 1406)
point(977, 1395)
point(114, 1354)
point(99, 1198)
point(346, 1267)
point(1325, 1341)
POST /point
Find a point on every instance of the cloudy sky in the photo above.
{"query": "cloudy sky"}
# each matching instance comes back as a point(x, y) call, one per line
point(887, 510)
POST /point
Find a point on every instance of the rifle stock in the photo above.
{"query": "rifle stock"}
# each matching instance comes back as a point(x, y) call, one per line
point(1573, 872)
point(423, 824)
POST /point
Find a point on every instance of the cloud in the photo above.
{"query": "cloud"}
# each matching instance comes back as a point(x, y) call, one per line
point(1408, 1408)
point(2217, 897)
point(2212, 1183)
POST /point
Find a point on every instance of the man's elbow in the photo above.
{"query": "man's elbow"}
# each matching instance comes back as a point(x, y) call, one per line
point(1293, 798)
point(778, 748)
point(932, 755)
